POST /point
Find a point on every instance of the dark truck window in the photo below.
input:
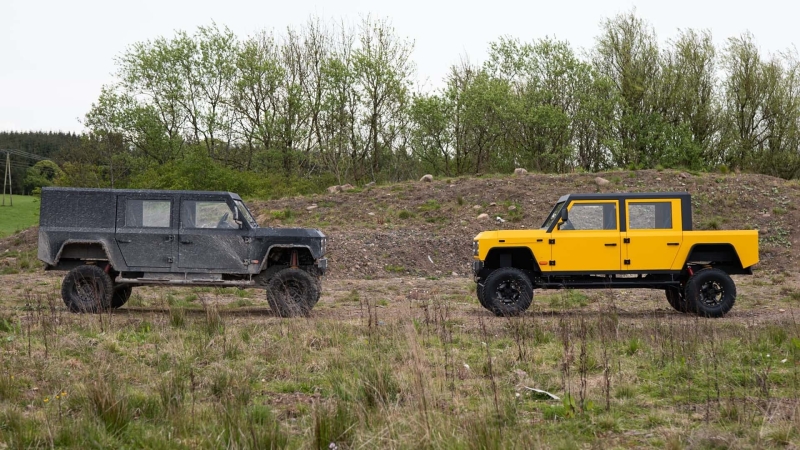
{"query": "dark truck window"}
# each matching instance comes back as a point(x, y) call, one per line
point(245, 213)
point(147, 213)
point(207, 214)
point(650, 215)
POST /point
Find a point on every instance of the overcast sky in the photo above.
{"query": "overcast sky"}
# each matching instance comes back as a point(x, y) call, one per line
point(55, 55)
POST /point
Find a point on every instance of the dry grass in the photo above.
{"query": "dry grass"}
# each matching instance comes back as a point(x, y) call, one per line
point(429, 368)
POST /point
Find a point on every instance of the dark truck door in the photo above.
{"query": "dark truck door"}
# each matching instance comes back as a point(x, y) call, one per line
point(145, 230)
point(210, 238)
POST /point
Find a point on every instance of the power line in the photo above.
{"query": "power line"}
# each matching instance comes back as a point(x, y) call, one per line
point(16, 162)
point(23, 154)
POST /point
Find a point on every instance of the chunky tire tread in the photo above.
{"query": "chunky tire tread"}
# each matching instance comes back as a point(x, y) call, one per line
point(479, 292)
point(121, 295)
point(507, 292)
point(708, 283)
point(87, 289)
point(677, 300)
point(292, 293)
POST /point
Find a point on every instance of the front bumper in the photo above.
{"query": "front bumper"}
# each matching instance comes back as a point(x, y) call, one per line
point(322, 265)
point(477, 266)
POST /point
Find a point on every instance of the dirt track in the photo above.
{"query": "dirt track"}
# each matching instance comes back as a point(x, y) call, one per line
point(761, 300)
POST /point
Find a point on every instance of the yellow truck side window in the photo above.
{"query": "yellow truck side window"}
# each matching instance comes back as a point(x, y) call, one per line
point(650, 216)
point(592, 216)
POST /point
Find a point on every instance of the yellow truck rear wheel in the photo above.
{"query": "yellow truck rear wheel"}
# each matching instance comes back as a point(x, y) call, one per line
point(711, 292)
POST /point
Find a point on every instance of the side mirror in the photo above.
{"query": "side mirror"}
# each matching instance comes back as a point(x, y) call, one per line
point(563, 217)
point(236, 219)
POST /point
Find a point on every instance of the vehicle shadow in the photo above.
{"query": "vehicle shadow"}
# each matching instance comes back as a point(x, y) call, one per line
point(623, 314)
point(238, 312)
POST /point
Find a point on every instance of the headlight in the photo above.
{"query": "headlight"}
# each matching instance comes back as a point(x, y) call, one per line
point(475, 248)
point(323, 246)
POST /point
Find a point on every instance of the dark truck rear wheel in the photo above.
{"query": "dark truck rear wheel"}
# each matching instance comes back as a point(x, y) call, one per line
point(292, 293)
point(507, 292)
point(121, 295)
point(677, 300)
point(711, 293)
point(87, 289)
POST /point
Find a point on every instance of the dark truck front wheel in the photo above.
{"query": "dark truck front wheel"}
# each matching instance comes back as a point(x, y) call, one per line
point(87, 289)
point(507, 292)
point(292, 292)
point(711, 293)
point(121, 295)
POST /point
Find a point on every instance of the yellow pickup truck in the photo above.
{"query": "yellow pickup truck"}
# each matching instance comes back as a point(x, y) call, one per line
point(615, 240)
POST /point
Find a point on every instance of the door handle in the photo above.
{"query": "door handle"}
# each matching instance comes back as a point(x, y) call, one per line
point(613, 244)
point(673, 243)
point(186, 242)
point(124, 241)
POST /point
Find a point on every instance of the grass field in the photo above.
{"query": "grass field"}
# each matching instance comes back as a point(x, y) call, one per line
point(404, 363)
point(24, 214)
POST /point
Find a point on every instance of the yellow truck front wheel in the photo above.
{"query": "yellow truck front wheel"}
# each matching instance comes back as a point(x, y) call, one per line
point(507, 292)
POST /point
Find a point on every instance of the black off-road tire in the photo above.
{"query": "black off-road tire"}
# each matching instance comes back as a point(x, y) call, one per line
point(267, 275)
point(87, 289)
point(479, 292)
point(121, 295)
point(318, 281)
point(507, 292)
point(677, 299)
point(292, 293)
point(711, 293)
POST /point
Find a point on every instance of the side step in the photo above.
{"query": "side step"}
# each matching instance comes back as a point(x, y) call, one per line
point(194, 279)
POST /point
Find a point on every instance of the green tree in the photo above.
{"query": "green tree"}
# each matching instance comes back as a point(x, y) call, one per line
point(627, 53)
point(382, 69)
point(689, 101)
point(42, 174)
point(762, 110)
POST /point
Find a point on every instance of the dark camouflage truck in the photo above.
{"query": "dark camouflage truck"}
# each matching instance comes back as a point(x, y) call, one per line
point(111, 240)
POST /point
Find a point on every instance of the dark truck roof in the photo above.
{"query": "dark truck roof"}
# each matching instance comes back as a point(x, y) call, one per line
point(134, 191)
point(685, 198)
point(77, 207)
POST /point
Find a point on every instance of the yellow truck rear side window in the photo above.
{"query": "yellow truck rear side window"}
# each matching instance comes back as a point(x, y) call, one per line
point(650, 216)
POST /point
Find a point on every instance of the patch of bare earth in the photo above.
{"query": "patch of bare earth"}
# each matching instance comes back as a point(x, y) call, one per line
point(390, 243)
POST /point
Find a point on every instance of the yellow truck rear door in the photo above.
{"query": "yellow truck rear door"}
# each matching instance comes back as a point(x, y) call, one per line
point(654, 234)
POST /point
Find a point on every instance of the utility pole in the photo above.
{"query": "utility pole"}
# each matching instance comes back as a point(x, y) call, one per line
point(7, 175)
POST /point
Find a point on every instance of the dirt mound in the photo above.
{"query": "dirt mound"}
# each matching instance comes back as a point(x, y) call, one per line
point(22, 241)
point(426, 229)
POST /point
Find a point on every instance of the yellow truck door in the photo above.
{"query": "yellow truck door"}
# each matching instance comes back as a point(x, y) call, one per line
point(589, 240)
point(654, 234)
